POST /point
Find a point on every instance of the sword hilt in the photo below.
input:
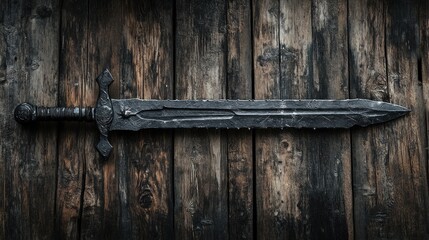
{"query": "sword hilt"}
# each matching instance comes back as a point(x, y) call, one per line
point(28, 113)
point(102, 114)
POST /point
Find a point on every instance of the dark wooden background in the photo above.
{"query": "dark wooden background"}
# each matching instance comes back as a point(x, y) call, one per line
point(364, 183)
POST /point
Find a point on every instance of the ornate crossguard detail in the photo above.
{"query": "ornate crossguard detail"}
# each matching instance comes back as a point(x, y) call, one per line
point(136, 114)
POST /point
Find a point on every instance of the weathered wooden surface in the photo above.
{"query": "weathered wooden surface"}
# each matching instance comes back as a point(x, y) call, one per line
point(200, 167)
point(367, 183)
point(368, 79)
point(73, 70)
point(28, 71)
point(407, 161)
point(100, 192)
point(240, 142)
point(389, 163)
point(145, 159)
point(303, 177)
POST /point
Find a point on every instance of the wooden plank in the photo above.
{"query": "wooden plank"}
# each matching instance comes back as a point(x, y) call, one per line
point(29, 70)
point(100, 206)
point(73, 69)
point(266, 65)
point(303, 177)
point(405, 88)
point(390, 168)
point(3, 105)
point(145, 158)
point(200, 165)
point(266, 54)
point(407, 143)
point(423, 63)
point(266, 49)
point(331, 199)
point(240, 142)
point(368, 79)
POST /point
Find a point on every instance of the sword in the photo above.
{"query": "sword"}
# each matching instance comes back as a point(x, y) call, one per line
point(136, 114)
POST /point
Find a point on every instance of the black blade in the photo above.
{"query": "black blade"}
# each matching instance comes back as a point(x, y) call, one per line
point(136, 114)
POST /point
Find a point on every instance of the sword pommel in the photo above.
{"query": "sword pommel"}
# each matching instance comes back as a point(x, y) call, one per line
point(25, 113)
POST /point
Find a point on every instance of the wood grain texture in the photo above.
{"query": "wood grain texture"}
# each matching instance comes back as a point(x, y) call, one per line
point(3, 105)
point(423, 63)
point(200, 165)
point(266, 49)
point(145, 158)
point(410, 172)
point(388, 160)
point(368, 79)
point(28, 71)
point(100, 197)
point(266, 66)
point(71, 165)
point(303, 178)
point(394, 176)
point(238, 184)
point(240, 142)
point(331, 164)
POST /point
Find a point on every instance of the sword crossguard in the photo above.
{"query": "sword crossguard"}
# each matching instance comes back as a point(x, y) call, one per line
point(26, 113)
point(104, 113)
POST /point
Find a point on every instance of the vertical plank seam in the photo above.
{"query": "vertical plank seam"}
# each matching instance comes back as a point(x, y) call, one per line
point(57, 157)
point(82, 156)
point(122, 165)
point(279, 63)
point(252, 54)
point(421, 32)
point(174, 26)
point(348, 51)
point(385, 49)
point(255, 208)
point(224, 136)
point(353, 234)
point(425, 7)
point(227, 96)
point(254, 174)
point(173, 156)
point(173, 132)
point(253, 147)
point(2, 146)
point(310, 91)
point(226, 90)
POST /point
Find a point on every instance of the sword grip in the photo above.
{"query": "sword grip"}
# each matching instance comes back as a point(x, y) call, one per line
point(27, 113)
